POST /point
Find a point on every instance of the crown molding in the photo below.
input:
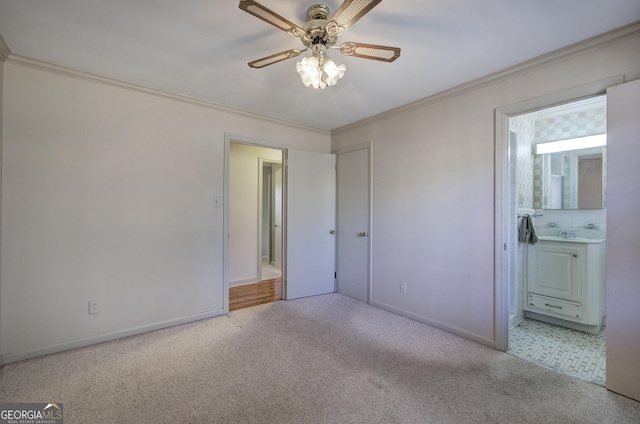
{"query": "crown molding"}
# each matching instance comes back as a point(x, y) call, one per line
point(67, 71)
point(4, 49)
point(556, 56)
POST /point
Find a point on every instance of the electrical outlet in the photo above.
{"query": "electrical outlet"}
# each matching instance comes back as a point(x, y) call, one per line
point(403, 287)
point(93, 307)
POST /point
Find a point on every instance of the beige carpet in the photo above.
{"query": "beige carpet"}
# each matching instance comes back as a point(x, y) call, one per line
point(324, 359)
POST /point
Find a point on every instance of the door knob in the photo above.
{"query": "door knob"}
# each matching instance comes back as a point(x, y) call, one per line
point(363, 234)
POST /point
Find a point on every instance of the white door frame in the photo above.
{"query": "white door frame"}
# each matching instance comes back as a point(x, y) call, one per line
point(240, 139)
point(501, 244)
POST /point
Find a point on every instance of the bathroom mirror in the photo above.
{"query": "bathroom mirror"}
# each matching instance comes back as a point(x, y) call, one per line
point(559, 155)
point(573, 179)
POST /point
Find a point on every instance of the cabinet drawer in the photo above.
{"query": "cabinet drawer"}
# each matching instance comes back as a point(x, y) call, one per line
point(563, 308)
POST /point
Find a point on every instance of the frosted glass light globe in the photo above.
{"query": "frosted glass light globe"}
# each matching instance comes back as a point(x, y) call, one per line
point(319, 72)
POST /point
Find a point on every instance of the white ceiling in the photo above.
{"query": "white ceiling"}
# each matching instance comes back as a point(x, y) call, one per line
point(200, 48)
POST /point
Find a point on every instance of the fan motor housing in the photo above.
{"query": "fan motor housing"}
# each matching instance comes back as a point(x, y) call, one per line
point(315, 30)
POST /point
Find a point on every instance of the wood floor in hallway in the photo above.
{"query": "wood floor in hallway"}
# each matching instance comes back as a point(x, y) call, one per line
point(247, 295)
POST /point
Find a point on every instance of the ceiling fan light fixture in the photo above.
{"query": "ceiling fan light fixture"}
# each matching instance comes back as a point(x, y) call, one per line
point(318, 71)
point(318, 34)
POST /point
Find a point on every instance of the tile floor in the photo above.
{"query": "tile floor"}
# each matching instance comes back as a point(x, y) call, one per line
point(568, 351)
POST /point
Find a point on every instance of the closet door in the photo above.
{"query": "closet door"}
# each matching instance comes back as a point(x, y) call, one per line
point(352, 263)
point(623, 239)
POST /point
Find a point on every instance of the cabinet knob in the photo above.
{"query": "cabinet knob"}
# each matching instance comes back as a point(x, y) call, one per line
point(575, 255)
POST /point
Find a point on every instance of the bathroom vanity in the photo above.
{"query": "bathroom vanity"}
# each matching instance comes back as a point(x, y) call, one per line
point(566, 282)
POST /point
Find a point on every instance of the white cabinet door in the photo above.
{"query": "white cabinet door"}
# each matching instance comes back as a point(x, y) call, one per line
point(555, 270)
point(623, 234)
point(311, 214)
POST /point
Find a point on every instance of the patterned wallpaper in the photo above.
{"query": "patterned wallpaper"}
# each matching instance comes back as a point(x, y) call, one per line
point(524, 127)
point(591, 121)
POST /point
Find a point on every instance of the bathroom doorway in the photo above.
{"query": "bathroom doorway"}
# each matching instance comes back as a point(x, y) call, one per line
point(563, 192)
point(520, 191)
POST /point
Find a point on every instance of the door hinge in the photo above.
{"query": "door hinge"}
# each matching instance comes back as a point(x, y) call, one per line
point(505, 246)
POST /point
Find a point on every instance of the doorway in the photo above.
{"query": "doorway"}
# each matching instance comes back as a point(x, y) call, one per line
point(270, 212)
point(308, 217)
point(572, 343)
point(255, 196)
point(510, 201)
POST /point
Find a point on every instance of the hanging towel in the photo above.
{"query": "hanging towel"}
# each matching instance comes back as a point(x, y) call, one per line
point(527, 233)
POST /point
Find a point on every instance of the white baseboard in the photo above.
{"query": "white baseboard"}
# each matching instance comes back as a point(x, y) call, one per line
point(244, 281)
point(449, 329)
point(21, 356)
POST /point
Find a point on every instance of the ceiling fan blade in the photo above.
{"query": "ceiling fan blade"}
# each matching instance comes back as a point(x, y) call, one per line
point(370, 51)
point(349, 12)
point(275, 58)
point(269, 16)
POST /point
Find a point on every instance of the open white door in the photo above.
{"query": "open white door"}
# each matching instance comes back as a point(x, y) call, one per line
point(623, 267)
point(311, 209)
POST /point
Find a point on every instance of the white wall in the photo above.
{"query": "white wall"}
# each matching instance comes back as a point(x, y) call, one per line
point(243, 210)
point(433, 188)
point(108, 195)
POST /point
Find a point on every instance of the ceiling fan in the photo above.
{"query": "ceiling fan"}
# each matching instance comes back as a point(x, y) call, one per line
point(319, 34)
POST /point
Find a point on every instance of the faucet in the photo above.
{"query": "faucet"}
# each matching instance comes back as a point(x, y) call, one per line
point(566, 234)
